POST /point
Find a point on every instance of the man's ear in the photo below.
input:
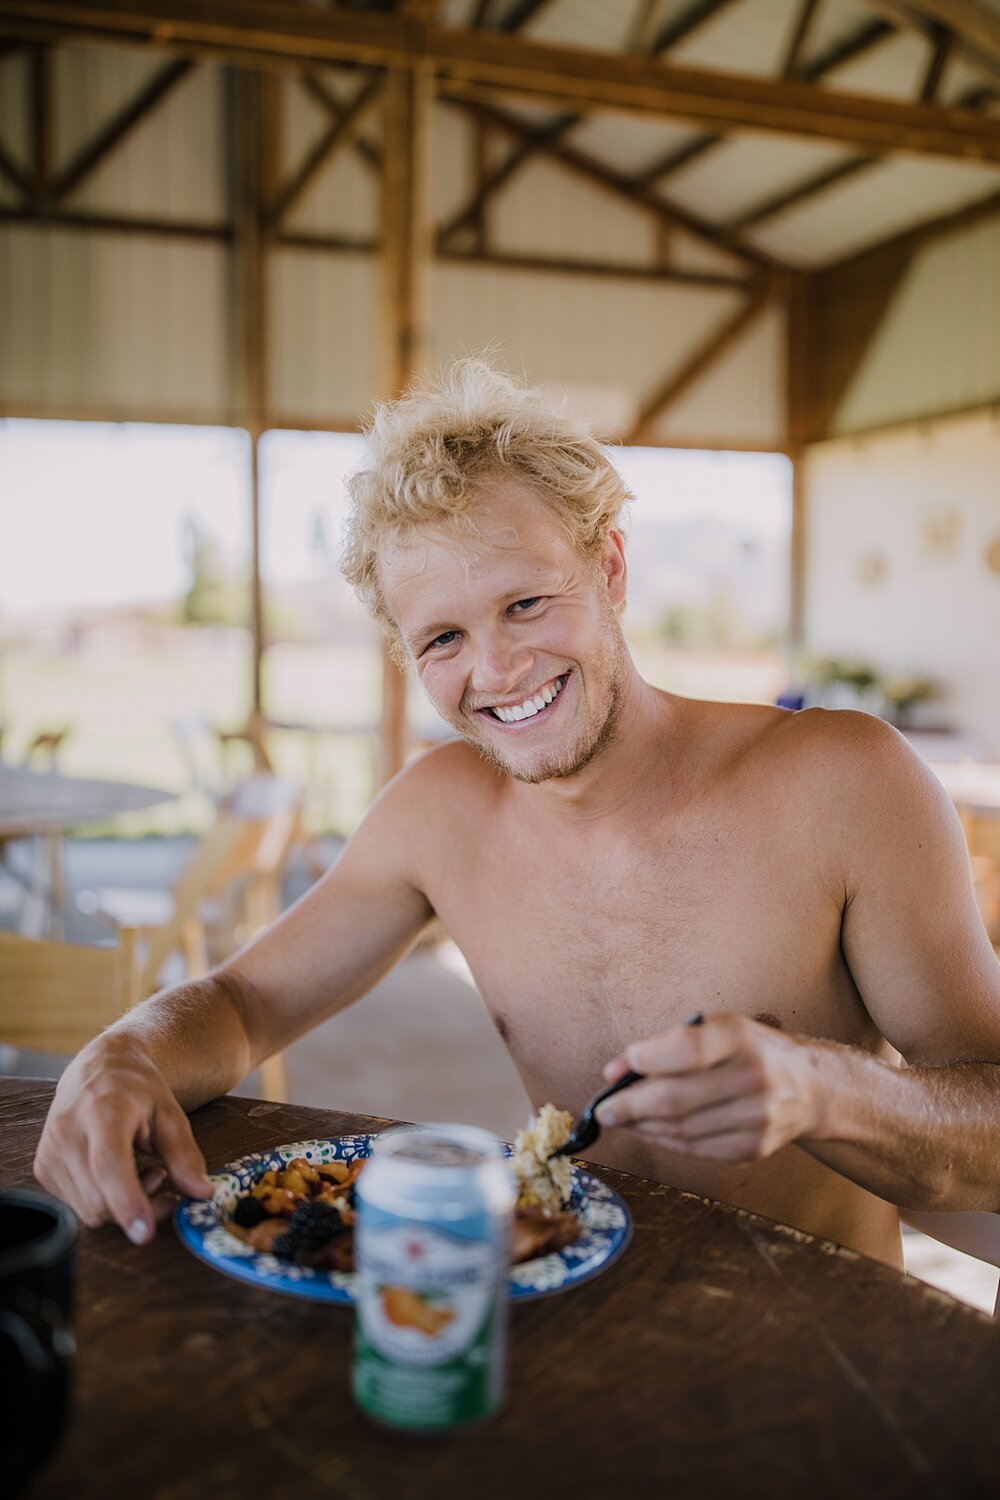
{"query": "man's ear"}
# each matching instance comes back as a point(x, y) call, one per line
point(615, 569)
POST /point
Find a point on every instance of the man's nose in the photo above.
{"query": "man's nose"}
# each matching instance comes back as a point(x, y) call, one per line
point(501, 665)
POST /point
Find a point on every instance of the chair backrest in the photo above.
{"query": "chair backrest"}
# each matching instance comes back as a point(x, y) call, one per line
point(254, 831)
point(55, 996)
point(45, 747)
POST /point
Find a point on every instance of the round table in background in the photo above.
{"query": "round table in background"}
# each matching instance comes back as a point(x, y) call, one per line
point(41, 806)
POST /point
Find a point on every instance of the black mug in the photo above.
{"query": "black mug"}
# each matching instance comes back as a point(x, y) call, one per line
point(37, 1260)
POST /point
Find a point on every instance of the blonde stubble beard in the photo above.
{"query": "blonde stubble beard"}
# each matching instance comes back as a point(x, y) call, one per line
point(592, 740)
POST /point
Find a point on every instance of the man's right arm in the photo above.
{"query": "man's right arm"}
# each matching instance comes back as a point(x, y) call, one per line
point(129, 1087)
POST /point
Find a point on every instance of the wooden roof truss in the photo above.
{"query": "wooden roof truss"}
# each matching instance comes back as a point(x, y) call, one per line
point(479, 71)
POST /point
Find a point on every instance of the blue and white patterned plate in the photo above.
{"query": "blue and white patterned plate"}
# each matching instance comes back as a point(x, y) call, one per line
point(606, 1228)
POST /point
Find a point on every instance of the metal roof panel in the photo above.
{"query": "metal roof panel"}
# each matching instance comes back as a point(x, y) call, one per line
point(885, 199)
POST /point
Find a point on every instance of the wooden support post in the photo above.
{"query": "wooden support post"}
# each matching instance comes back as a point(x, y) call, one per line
point(41, 119)
point(800, 423)
point(253, 152)
point(405, 256)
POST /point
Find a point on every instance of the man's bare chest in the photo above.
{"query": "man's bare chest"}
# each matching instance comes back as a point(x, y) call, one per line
point(580, 950)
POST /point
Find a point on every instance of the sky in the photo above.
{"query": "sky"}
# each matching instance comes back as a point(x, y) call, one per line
point(94, 514)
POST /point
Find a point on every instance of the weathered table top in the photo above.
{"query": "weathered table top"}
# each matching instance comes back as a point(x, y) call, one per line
point(722, 1355)
point(36, 802)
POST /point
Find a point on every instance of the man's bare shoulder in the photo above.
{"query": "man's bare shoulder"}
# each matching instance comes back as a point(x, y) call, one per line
point(855, 770)
point(424, 796)
point(840, 743)
point(450, 767)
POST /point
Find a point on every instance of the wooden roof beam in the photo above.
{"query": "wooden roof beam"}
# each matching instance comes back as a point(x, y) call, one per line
point(931, 229)
point(314, 86)
point(695, 14)
point(40, 64)
point(556, 129)
point(615, 270)
point(14, 174)
point(856, 45)
point(976, 30)
point(597, 174)
point(99, 148)
point(680, 381)
point(800, 36)
point(820, 181)
point(859, 42)
point(265, 33)
point(530, 145)
point(519, 14)
point(939, 57)
point(340, 132)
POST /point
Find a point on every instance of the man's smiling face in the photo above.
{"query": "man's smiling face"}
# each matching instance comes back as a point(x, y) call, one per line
point(513, 632)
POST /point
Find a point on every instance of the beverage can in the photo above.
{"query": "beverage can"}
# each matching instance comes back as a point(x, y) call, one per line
point(432, 1254)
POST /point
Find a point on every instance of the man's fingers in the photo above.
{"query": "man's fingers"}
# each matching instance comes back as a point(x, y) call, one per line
point(152, 1180)
point(686, 1049)
point(174, 1142)
point(734, 1145)
point(672, 1099)
point(743, 1114)
point(163, 1206)
point(65, 1175)
point(112, 1167)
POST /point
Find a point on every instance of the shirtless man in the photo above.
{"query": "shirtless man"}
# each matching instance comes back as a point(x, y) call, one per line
point(610, 858)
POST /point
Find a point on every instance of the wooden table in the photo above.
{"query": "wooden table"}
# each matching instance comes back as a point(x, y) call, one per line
point(723, 1355)
point(41, 806)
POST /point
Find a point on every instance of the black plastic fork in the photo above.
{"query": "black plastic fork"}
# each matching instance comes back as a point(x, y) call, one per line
point(589, 1127)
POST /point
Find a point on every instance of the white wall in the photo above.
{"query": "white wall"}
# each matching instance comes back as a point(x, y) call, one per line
point(926, 502)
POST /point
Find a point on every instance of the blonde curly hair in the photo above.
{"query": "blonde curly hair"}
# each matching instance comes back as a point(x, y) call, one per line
point(432, 450)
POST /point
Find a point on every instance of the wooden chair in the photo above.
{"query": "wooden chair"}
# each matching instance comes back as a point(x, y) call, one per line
point(45, 747)
point(55, 996)
point(229, 891)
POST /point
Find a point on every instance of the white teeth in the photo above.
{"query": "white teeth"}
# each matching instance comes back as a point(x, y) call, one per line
point(530, 706)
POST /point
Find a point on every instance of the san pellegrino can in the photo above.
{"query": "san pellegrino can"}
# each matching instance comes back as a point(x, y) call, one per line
point(435, 1206)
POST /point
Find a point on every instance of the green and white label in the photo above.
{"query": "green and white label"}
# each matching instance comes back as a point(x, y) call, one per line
point(429, 1326)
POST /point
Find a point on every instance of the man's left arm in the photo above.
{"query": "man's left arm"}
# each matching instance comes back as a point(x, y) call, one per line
point(925, 1135)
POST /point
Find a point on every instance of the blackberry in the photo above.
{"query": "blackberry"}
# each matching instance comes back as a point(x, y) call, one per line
point(313, 1224)
point(249, 1212)
point(310, 1230)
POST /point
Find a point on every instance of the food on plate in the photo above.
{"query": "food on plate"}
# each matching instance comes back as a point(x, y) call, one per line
point(544, 1180)
point(305, 1212)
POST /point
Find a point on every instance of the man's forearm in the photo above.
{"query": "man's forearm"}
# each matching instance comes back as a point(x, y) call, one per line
point(196, 1034)
point(921, 1137)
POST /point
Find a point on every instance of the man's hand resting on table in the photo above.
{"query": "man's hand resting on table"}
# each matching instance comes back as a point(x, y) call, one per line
point(111, 1100)
point(731, 1089)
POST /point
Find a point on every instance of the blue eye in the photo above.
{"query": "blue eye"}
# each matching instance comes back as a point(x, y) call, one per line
point(524, 604)
point(444, 639)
